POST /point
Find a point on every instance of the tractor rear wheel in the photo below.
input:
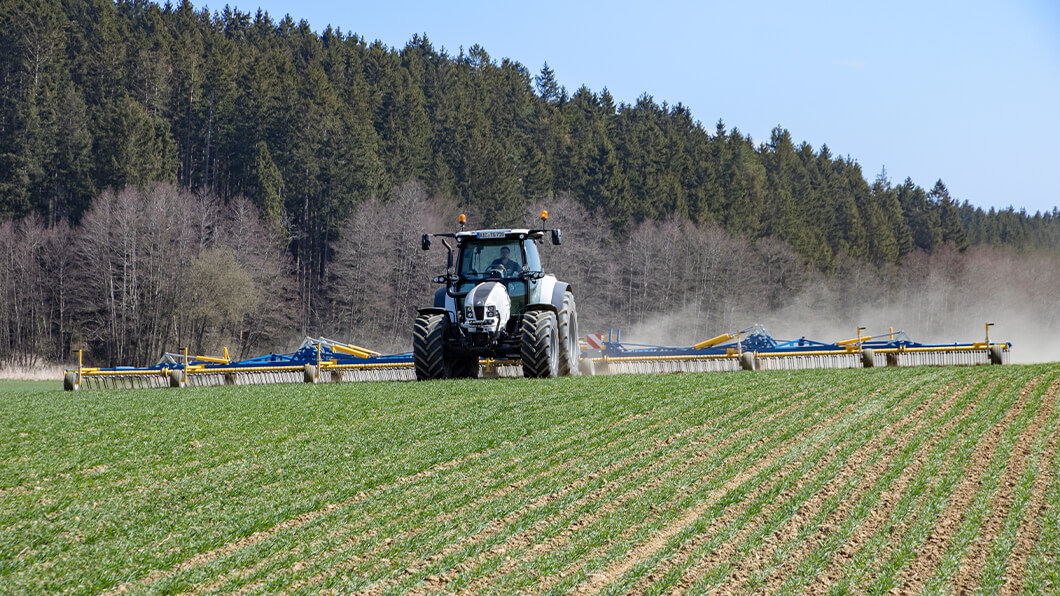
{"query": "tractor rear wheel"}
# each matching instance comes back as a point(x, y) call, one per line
point(570, 350)
point(539, 348)
point(428, 348)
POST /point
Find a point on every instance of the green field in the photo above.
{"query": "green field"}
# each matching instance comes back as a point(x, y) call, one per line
point(862, 481)
point(12, 386)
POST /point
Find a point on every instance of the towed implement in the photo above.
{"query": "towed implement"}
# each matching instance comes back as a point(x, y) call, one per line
point(754, 348)
point(323, 360)
point(316, 360)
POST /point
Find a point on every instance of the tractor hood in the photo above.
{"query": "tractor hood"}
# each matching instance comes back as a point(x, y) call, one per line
point(487, 308)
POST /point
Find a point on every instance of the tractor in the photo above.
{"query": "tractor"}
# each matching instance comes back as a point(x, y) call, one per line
point(497, 303)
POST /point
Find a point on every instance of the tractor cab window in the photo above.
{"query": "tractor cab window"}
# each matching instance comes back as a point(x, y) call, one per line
point(491, 260)
point(533, 258)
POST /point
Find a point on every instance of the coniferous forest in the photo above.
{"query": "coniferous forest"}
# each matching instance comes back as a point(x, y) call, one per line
point(171, 176)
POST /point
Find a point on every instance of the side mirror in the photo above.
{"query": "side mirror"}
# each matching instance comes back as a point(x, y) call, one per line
point(425, 242)
point(557, 237)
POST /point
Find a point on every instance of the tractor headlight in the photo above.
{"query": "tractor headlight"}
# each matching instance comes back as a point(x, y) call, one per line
point(491, 311)
point(469, 311)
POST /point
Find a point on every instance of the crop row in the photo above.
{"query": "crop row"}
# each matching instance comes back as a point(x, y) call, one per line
point(820, 481)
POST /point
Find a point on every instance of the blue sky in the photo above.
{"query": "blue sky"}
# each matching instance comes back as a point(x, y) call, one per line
point(968, 92)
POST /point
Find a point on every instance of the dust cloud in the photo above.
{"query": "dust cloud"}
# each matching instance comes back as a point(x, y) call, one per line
point(938, 299)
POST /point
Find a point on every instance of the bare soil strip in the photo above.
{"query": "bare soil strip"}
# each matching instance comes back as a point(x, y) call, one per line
point(305, 518)
point(497, 525)
point(716, 553)
point(661, 538)
point(359, 534)
point(580, 523)
point(967, 579)
point(1028, 533)
point(934, 548)
point(892, 495)
point(856, 476)
point(524, 538)
point(870, 481)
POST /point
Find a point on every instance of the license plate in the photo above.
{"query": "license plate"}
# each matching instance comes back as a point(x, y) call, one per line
point(491, 235)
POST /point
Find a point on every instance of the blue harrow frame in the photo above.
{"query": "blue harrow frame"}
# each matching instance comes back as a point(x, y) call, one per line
point(753, 348)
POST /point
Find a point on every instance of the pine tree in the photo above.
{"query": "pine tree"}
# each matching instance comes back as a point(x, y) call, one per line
point(547, 87)
point(267, 186)
point(950, 226)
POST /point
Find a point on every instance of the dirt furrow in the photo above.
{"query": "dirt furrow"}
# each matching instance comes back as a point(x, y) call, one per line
point(726, 519)
point(1028, 533)
point(355, 537)
point(967, 579)
point(891, 497)
point(523, 538)
point(493, 527)
point(868, 480)
point(660, 539)
point(564, 537)
point(308, 517)
point(857, 471)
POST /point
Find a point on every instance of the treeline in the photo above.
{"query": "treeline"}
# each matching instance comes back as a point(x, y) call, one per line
point(156, 270)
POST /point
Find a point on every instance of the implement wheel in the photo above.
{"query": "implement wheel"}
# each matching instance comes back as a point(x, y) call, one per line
point(747, 361)
point(570, 350)
point(996, 355)
point(178, 379)
point(868, 358)
point(539, 348)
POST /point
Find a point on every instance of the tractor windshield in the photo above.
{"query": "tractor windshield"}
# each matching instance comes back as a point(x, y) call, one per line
point(501, 259)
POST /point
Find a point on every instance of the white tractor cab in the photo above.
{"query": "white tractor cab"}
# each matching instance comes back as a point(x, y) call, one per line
point(497, 303)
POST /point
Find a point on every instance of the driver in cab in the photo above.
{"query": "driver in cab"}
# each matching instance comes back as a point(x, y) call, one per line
point(510, 267)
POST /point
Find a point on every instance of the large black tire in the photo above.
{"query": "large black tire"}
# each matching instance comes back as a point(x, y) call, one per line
point(428, 348)
point(540, 345)
point(570, 351)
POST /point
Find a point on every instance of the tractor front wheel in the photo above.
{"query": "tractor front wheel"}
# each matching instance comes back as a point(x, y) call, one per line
point(540, 345)
point(428, 348)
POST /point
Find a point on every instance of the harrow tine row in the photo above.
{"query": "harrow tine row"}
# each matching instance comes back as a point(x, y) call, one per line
point(799, 362)
point(132, 381)
point(257, 377)
point(615, 366)
point(944, 358)
point(754, 349)
point(355, 375)
point(505, 370)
